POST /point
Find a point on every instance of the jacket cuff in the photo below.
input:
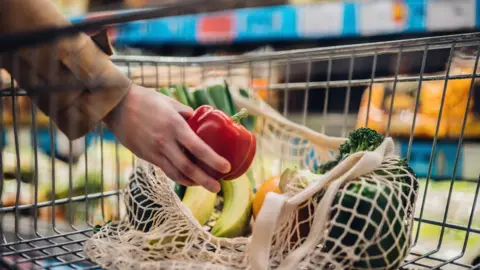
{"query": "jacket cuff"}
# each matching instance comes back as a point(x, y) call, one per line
point(105, 87)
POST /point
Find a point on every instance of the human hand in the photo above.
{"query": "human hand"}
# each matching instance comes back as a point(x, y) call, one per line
point(153, 127)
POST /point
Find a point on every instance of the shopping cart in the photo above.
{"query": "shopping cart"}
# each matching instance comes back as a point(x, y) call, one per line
point(48, 230)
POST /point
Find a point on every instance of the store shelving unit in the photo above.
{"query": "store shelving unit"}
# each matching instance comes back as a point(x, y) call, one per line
point(332, 19)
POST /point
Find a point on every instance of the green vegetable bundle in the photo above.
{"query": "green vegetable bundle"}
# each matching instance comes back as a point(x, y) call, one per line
point(369, 214)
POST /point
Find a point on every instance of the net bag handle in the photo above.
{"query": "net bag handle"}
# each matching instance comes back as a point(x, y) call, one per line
point(276, 206)
point(258, 107)
point(265, 225)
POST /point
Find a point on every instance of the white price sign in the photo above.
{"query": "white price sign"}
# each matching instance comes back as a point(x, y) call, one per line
point(320, 19)
point(377, 17)
point(450, 15)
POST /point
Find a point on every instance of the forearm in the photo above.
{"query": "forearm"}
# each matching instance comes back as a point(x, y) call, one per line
point(95, 85)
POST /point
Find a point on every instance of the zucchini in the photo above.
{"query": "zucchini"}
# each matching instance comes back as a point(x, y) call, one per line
point(190, 98)
point(181, 94)
point(178, 189)
point(166, 92)
point(218, 93)
point(202, 98)
point(230, 99)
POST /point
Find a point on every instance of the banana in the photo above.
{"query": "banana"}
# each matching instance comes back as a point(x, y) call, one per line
point(200, 202)
point(237, 210)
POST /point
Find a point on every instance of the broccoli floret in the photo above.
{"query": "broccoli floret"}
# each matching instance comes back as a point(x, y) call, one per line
point(362, 139)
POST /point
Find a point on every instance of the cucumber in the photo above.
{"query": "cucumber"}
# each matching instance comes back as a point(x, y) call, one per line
point(218, 93)
point(202, 98)
point(244, 93)
point(230, 99)
point(190, 98)
point(166, 92)
point(181, 95)
point(179, 190)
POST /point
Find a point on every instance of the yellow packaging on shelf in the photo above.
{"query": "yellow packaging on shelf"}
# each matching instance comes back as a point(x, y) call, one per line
point(454, 92)
point(403, 109)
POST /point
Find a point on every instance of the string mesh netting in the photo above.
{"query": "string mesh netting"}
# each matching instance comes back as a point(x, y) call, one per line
point(352, 217)
point(368, 226)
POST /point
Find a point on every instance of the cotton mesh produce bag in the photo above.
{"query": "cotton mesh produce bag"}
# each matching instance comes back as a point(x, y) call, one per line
point(358, 215)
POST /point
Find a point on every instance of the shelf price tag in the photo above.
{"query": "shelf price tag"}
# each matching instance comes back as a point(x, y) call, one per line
point(379, 16)
point(325, 19)
point(450, 15)
point(216, 28)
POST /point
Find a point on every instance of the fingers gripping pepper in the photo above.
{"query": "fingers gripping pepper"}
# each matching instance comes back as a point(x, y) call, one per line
point(226, 136)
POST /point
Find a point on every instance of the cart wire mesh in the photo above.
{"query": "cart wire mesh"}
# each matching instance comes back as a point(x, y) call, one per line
point(47, 213)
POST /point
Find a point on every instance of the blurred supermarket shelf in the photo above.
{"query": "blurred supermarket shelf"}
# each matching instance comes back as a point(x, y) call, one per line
point(301, 22)
point(443, 162)
point(331, 124)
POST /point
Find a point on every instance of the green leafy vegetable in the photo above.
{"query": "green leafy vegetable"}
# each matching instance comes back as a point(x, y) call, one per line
point(362, 139)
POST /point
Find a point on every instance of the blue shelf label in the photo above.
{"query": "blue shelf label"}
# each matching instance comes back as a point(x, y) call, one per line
point(266, 24)
point(294, 22)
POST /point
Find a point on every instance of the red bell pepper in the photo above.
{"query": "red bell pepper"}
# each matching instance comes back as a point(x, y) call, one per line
point(225, 136)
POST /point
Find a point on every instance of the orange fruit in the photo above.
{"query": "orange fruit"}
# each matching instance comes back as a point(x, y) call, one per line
point(261, 85)
point(270, 185)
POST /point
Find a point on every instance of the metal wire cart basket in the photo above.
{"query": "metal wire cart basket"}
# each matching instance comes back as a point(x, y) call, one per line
point(54, 191)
